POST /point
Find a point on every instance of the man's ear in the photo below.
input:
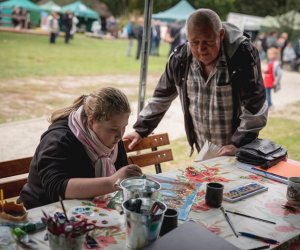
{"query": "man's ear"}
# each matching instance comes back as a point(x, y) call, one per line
point(222, 34)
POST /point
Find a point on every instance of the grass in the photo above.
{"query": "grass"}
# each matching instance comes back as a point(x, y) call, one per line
point(31, 56)
point(24, 57)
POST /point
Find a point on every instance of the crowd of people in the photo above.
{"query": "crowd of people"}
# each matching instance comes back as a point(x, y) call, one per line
point(69, 23)
point(289, 54)
point(134, 31)
point(20, 18)
point(175, 35)
point(278, 52)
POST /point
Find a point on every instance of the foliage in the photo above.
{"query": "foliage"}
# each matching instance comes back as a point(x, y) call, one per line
point(264, 8)
point(222, 7)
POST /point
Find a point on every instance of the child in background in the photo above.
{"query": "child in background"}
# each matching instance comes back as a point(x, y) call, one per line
point(272, 75)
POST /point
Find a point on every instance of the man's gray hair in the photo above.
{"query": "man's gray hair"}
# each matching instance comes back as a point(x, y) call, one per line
point(204, 17)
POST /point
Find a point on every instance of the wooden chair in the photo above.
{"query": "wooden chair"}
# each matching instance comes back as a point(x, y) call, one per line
point(146, 153)
point(13, 175)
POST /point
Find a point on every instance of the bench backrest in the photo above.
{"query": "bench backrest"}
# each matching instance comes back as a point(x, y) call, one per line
point(146, 153)
point(13, 175)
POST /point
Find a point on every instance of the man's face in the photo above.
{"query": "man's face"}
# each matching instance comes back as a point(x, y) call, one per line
point(110, 132)
point(205, 44)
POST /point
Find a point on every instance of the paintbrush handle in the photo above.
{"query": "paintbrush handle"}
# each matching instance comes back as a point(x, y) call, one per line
point(263, 239)
point(229, 222)
point(249, 216)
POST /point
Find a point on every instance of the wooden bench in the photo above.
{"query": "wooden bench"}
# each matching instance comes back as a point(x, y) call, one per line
point(146, 153)
point(13, 175)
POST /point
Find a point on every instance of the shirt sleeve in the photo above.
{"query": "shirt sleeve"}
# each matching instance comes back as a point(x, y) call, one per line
point(164, 93)
point(56, 162)
point(251, 97)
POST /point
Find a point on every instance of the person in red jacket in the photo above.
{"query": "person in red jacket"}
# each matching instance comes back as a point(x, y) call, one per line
point(272, 75)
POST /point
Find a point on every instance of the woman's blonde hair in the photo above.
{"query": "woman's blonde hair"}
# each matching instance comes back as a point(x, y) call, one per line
point(100, 105)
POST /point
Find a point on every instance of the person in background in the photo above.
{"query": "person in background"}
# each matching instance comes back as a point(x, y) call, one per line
point(68, 23)
point(296, 62)
point(73, 30)
point(25, 19)
point(288, 55)
point(272, 75)
point(130, 34)
point(271, 40)
point(139, 36)
point(155, 38)
point(282, 43)
point(53, 26)
point(15, 17)
point(81, 155)
point(217, 75)
point(261, 46)
point(173, 35)
point(103, 25)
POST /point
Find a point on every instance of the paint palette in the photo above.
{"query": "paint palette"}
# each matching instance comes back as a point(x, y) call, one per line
point(244, 191)
point(99, 216)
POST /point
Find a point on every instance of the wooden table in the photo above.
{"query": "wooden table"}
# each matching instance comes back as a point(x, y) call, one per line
point(266, 205)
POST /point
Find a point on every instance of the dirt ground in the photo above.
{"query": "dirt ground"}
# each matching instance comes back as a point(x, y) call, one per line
point(26, 103)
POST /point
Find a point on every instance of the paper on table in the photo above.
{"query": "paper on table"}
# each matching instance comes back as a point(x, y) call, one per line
point(286, 169)
point(208, 151)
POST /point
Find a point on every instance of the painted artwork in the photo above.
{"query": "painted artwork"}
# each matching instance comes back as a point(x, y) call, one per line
point(95, 215)
point(177, 194)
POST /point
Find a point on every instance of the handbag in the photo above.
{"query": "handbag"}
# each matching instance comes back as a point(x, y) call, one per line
point(261, 152)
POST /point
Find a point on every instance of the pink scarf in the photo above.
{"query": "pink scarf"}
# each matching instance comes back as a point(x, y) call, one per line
point(102, 157)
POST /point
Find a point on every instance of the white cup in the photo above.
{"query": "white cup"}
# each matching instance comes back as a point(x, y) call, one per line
point(293, 190)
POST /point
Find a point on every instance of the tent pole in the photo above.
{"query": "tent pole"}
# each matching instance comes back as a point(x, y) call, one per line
point(145, 52)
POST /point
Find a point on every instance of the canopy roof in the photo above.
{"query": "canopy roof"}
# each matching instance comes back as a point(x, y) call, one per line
point(51, 6)
point(81, 10)
point(179, 12)
point(25, 4)
point(270, 22)
point(289, 20)
point(245, 22)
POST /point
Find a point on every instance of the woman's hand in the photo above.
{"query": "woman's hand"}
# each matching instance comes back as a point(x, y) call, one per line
point(126, 172)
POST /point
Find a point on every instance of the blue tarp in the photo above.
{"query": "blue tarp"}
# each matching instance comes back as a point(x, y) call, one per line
point(51, 6)
point(25, 4)
point(34, 10)
point(180, 12)
point(81, 10)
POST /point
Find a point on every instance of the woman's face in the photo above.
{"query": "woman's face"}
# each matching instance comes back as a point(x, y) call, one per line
point(110, 132)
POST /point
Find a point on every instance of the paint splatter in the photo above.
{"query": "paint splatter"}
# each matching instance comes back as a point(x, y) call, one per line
point(210, 174)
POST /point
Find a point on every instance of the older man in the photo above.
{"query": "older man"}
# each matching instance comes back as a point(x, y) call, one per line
point(218, 78)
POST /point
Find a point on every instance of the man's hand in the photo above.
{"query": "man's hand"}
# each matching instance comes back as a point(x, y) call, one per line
point(134, 137)
point(227, 150)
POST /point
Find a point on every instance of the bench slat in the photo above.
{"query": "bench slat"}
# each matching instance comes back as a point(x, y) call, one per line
point(14, 167)
point(152, 141)
point(152, 158)
point(13, 176)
